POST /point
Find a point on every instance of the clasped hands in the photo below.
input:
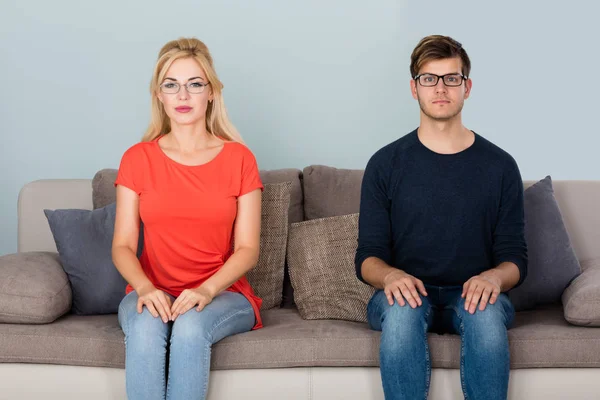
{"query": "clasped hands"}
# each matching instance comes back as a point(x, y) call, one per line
point(159, 303)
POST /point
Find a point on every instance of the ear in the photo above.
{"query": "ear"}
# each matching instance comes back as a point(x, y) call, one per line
point(468, 86)
point(159, 95)
point(413, 89)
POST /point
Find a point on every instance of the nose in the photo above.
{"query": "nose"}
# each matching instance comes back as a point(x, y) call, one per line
point(441, 86)
point(183, 93)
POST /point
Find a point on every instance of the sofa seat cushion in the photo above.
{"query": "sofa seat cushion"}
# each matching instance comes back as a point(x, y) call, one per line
point(539, 339)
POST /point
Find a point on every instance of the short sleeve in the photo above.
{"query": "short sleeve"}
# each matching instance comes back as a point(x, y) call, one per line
point(250, 174)
point(128, 173)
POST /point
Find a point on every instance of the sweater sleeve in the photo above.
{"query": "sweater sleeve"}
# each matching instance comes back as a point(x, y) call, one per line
point(374, 226)
point(509, 234)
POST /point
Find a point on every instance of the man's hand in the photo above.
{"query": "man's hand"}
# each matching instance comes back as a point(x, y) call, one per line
point(400, 285)
point(189, 298)
point(481, 289)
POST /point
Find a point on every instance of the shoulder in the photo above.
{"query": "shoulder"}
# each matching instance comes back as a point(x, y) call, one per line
point(495, 155)
point(387, 155)
point(240, 151)
point(139, 150)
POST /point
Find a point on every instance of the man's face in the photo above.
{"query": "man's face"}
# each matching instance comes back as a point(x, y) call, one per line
point(441, 102)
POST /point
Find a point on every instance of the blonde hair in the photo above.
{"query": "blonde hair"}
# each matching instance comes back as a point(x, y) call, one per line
point(217, 121)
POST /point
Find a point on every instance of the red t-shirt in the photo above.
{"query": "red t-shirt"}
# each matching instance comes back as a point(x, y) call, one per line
point(189, 213)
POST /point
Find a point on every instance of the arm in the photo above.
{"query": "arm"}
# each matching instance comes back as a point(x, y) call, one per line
point(124, 246)
point(243, 259)
point(509, 247)
point(373, 255)
point(247, 245)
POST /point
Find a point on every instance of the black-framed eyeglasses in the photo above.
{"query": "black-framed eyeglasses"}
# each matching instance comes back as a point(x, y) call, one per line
point(191, 87)
point(448, 79)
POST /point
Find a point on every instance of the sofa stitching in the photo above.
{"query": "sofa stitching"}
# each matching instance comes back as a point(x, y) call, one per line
point(50, 297)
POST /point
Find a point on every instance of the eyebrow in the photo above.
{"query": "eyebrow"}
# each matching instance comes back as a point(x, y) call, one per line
point(191, 79)
point(449, 73)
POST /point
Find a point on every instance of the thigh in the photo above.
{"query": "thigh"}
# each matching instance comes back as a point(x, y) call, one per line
point(134, 323)
point(381, 314)
point(229, 313)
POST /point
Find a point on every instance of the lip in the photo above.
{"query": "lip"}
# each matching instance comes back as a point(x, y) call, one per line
point(183, 109)
point(441, 102)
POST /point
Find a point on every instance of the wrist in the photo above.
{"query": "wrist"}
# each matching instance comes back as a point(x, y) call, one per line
point(493, 277)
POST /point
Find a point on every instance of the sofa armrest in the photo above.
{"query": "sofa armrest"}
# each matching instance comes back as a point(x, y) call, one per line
point(581, 299)
point(34, 288)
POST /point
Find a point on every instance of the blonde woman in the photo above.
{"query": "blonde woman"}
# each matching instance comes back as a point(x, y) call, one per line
point(195, 187)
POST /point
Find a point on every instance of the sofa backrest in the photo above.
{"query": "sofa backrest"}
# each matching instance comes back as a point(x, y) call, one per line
point(327, 191)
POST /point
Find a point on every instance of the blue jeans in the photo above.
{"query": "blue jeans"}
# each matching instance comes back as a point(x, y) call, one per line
point(404, 352)
point(186, 342)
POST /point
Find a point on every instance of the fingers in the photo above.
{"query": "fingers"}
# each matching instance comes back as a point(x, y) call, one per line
point(140, 303)
point(164, 315)
point(184, 302)
point(485, 296)
point(473, 296)
point(409, 294)
point(164, 306)
point(398, 296)
point(151, 308)
point(421, 287)
point(388, 295)
point(495, 294)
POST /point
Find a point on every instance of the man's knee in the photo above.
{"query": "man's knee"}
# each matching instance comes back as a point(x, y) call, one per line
point(499, 313)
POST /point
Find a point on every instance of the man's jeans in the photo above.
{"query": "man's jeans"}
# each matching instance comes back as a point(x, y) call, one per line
point(404, 352)
point(172, 360)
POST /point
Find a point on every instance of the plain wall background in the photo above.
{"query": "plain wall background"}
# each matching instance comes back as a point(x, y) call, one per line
point(306, 82)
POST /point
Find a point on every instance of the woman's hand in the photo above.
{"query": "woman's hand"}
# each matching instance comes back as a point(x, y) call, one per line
point(156, 301)
point(189, 298)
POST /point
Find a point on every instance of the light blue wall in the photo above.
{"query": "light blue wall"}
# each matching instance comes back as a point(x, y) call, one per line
point(306, 82)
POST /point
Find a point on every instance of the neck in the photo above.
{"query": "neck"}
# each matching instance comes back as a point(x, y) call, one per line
point(449, 136)
point(189, 137)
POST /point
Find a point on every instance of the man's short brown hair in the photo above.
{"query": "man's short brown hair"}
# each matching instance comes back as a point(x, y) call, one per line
point(438, 47)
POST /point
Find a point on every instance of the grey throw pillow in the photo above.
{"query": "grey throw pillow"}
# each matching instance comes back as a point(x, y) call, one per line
point(552, 261)
point(34, 288)
point(84, 240)
point(321, 262)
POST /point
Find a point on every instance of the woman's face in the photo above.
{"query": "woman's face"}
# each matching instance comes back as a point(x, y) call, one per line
point(185, 106)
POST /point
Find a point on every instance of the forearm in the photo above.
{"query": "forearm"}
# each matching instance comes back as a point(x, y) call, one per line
point(374, 271)
point(240, 262)
point(507, 273)
point(129, 267)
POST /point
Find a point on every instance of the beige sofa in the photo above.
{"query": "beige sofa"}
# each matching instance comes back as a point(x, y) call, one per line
point(290, 358)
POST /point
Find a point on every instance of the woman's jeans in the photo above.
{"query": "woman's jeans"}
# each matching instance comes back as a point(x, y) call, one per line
point(404, 352)
point(185, 343)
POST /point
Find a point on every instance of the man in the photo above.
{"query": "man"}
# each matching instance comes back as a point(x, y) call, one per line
point(441, 235)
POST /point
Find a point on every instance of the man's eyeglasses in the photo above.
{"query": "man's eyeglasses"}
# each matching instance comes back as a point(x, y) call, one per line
point(448, 79)
point(191, 87)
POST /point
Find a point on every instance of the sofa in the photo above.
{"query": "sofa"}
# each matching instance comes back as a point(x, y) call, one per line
point(293, 358)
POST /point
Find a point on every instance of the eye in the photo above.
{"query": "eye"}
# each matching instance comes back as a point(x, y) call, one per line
point(428, 78)
point(195, 84)
point(169, 85)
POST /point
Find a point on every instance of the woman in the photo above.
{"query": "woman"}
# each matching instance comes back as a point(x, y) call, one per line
point(195, 187)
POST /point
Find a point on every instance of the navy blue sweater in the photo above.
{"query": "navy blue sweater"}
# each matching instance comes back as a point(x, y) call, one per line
point(442, 218)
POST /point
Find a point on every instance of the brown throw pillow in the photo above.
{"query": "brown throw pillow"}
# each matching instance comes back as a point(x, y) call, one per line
point(321, 263)
point(267, 277)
